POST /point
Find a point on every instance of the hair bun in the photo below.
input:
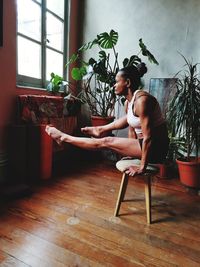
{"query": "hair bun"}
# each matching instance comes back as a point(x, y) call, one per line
point(142, 69)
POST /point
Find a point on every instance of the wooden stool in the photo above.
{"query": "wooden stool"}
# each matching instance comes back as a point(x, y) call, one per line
point(151, 170)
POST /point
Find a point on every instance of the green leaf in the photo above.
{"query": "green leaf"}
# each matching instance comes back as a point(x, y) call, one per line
point(142, 45)
point(83, 71)
point(88, 45)
point(73, 58)
point(125, 62)
point(100, 68)
point(102, 55)
point(146, 52)
point(52, 75)
point(56, 80)
point(76, 74)
point(92, 61)
point(107, 40)
point(134, 60)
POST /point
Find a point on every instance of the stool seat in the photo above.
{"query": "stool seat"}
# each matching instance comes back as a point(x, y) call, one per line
point(150, 171)
point(123, 164)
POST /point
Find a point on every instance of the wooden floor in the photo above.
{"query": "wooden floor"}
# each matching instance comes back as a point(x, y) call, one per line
point(68, 222)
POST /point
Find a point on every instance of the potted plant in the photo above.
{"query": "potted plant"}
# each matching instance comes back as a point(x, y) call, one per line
point(97, 75)
point(184, 122)
point(56, 84)
point(72, 104)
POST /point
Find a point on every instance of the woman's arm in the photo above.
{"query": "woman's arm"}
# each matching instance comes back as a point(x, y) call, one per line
point(144, 111)
point(98, 131)
point(118, 124)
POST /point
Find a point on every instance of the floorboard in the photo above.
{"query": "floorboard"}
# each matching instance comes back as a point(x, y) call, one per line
point(68, 221)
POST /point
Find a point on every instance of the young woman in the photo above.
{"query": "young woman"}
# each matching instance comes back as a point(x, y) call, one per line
point(147, 137)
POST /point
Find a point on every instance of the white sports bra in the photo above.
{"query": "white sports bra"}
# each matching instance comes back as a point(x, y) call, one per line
point(134, 121)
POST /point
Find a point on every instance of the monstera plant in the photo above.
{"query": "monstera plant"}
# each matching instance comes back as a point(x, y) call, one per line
point(97, 74)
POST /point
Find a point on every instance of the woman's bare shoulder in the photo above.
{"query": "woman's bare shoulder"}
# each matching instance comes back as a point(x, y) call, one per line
point(145, 102)
point(144, 97)
point(142, 92)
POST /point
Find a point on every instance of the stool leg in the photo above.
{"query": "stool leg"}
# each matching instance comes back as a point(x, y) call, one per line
point(148, 198)
point(122, 191)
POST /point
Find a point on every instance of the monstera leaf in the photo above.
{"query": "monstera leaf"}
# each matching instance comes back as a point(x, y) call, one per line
point(83, 48)
point(91, 61)
point(88, 45)
point(78, 73)
point(147, 53)
point(72, 59)
point(133, 60)
point(102, 55)
point(106, 40)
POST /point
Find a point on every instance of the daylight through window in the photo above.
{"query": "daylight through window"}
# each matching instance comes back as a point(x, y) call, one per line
point(41, 40)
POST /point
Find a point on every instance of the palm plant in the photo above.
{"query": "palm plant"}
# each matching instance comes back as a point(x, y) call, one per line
point(98, 75)
point(177, 148)
point(184, 108)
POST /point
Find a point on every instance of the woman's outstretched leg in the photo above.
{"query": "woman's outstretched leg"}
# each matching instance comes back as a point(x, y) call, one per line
point(123, 146)
point(54, 133)
point(86, 143)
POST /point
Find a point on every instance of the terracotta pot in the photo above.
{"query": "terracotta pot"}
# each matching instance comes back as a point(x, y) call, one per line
point(163, 171)
point(100, 121)
point(189, 172)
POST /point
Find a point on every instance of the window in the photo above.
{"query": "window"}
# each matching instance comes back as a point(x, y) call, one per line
point(41, 40)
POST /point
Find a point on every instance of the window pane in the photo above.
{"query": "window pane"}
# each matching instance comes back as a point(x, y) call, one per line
point(55, 32)
point(54, 63)
point(56, 6)
point(29, 18)
point(29, 58)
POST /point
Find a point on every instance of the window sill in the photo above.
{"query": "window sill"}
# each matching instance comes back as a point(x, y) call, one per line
point(28, 90)
point(21, 90)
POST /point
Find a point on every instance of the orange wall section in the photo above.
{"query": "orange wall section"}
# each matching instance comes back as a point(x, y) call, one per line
point(8, 88)
point(7, 63)
point(75, 26)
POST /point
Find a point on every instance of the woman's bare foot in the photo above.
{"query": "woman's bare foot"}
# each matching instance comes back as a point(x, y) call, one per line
point(54, 133)
point(92, 131)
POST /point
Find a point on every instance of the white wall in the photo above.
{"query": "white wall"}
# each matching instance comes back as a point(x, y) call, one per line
point(166, 26)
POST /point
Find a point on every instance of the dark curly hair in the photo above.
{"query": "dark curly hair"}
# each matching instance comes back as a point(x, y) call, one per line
point(134, 74)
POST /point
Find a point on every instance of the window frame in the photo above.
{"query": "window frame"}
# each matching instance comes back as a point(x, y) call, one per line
point(28, 81)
